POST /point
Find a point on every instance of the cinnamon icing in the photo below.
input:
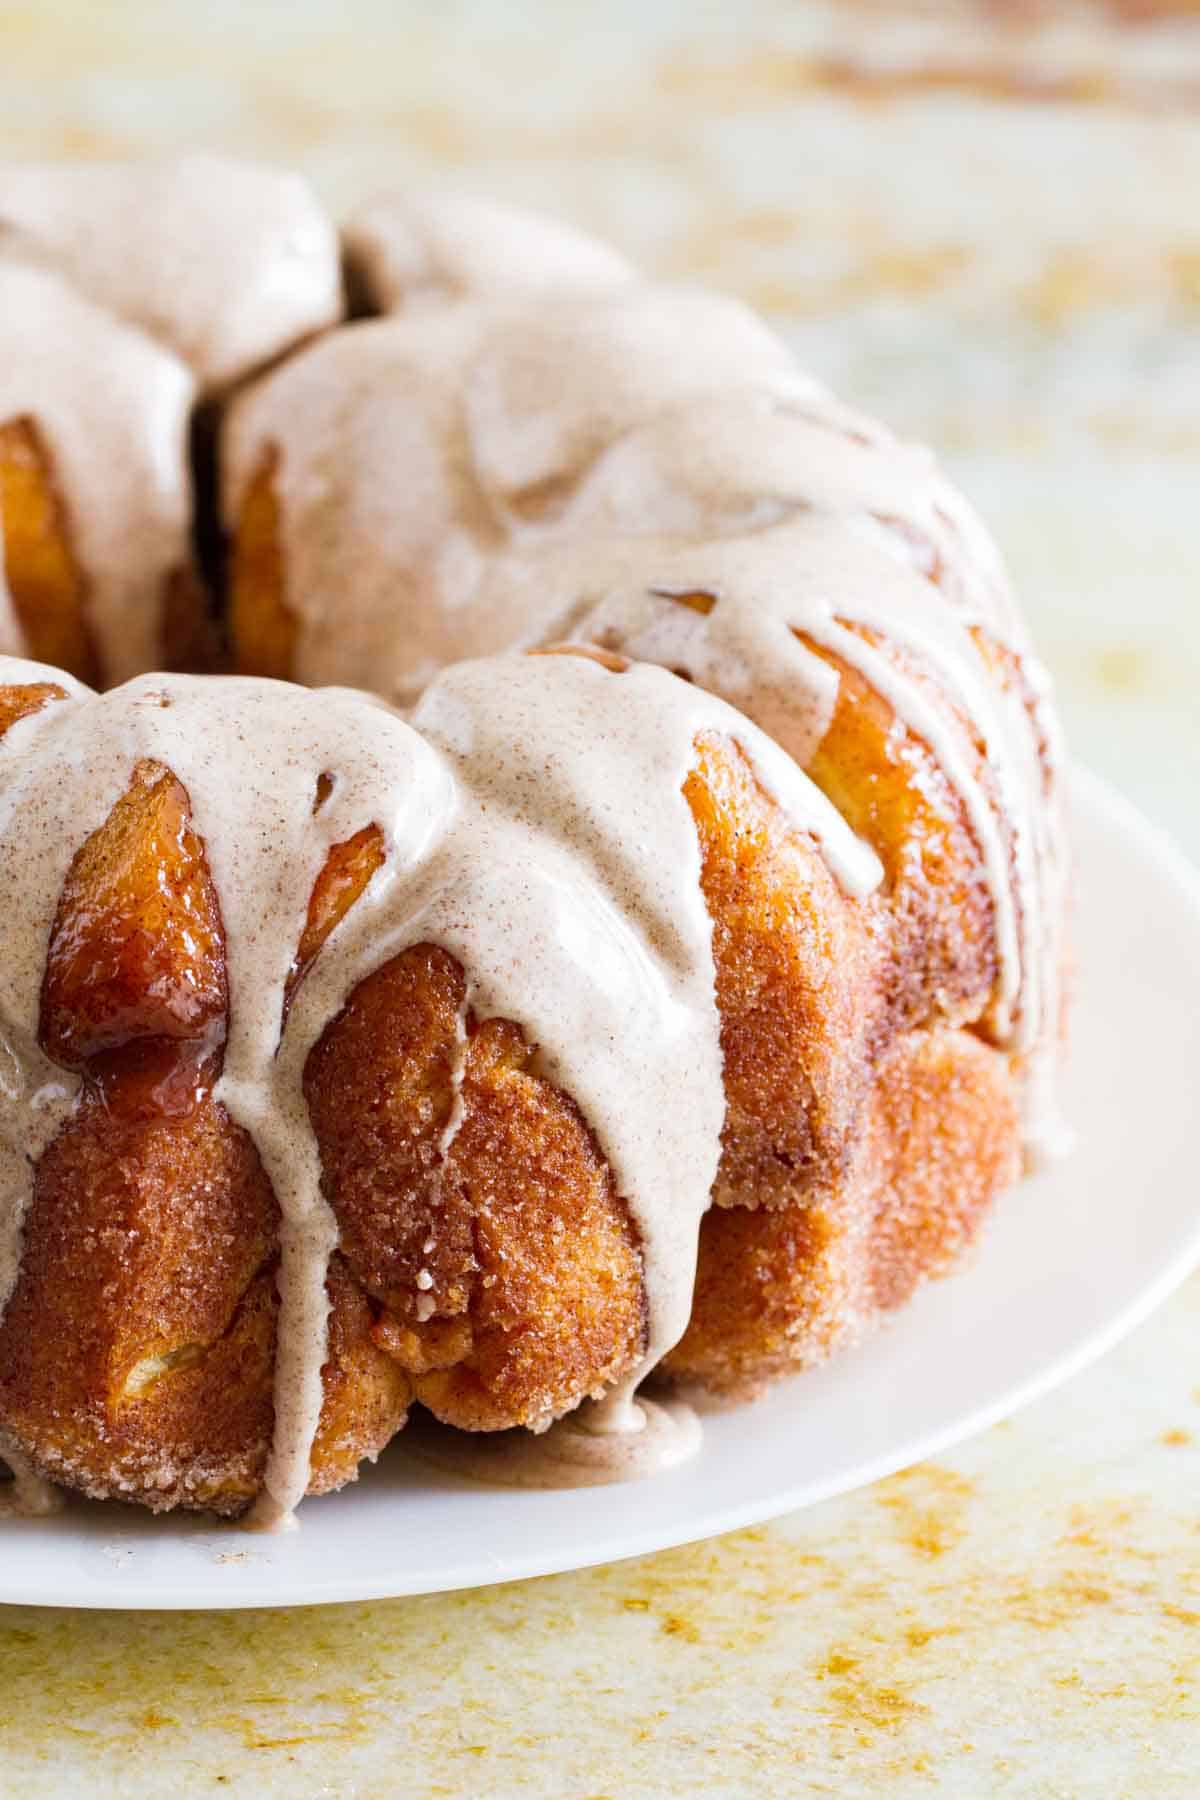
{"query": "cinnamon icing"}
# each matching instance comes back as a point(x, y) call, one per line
point(224, 263)
point(535, 447)
point(535, 827)
point(496, 471)
point(127, 291)
point(414, 250)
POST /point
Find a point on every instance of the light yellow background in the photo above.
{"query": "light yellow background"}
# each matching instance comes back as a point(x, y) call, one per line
point(989, 232)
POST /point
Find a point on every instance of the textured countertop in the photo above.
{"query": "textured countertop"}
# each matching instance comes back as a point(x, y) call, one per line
point(984, 225)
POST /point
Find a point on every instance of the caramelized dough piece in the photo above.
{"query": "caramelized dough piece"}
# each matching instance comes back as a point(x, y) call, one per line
point(137, 948)
point(380, 1087)
point(948, 1128)
point(343, 880)
point(558, 1310)
point(19, 702)
point(136, 1354)
point(507, 1265)
point(855, 1163)
point(152, 1228)
point(261, 625)
point(782, 1290)
point(366, 1392)
point(889, 788)
point(799, 977)
point(46, 584)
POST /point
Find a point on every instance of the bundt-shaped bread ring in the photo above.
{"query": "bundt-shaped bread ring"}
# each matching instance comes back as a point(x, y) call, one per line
point(489, 1056)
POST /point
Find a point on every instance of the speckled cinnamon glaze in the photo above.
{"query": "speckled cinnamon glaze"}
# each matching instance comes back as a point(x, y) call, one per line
point(222, 262)
point(536, 450)
point(508, 821)
point(601, 461)
point(906, 1638)
point(129, 291)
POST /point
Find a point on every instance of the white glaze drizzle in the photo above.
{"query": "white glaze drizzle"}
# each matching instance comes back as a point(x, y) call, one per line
point(36, 1096)
point(488, 472)
point(497, 471)
point(535, 827)
point(746, 648)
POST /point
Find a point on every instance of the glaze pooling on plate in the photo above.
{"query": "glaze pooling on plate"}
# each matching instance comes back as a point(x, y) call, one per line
point(591, 1447)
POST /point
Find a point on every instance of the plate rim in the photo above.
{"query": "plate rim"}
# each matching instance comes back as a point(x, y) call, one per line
point(1114, 814)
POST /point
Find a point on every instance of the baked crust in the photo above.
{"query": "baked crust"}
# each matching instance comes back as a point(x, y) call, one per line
point(488, 1268)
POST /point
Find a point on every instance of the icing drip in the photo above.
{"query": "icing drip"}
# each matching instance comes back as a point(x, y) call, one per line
point(648, 471)
point(535, 828)
point(747, 643)
point(536, 447)
point(36, 1097)
point(425, 1305)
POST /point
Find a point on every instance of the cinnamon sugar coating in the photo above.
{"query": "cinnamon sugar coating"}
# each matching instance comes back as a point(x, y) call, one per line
point(472, 1203)
point(137, 1350)
point(840, 987)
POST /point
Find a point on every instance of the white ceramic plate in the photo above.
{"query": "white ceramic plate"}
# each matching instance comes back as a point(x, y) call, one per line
point(1071, 1262)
